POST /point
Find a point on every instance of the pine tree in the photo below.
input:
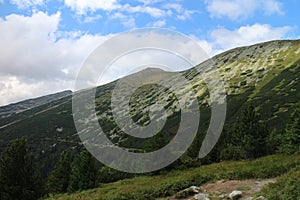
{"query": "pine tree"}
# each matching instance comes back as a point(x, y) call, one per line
point(84, 173)
point(108, 175)
point(19, 179)
point(59, 177)
point(290, 139)
point(246, 138)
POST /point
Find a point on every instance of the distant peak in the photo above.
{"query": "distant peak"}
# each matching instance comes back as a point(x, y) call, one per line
point(152, 69)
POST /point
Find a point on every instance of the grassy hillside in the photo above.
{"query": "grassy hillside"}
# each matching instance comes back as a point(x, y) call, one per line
point(152, 187)
point(265, 75)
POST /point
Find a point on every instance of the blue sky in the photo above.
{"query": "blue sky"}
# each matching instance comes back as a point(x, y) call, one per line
point(44, 42)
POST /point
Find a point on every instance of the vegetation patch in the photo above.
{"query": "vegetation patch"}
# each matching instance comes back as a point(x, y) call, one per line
point(151, 187)
point(287, 187)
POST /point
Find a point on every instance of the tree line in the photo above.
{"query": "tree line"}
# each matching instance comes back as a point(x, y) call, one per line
point(248, 137)
point(20, 178)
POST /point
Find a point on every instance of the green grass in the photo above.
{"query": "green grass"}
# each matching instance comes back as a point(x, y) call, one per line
point(152, 187)
point(287, 187)
point(244, 188)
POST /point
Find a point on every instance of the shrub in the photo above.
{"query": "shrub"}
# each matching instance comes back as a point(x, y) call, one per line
point(232, 152)
point(291, 136)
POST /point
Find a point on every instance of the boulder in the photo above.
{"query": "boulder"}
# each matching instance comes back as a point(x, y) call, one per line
point(235, 194)
point(201, 196)
point(195, 189)
point(187, 192)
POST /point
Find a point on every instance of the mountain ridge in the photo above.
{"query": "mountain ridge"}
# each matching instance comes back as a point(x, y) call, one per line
point(265, 75)
point(27, 104)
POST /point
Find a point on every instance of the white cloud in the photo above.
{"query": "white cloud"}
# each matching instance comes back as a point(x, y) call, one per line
point(14, 89)
point(36, 59)
point(152, 55)
point(181, 12)
point(26, 41)
point(242, 9)
point(147, 2)
point(222, 39)
point(83, 6)
point(273, 7)
point(157, 9)
point(207, 47)
point(246, 35)
point(92, 18)
point(186, 14)
point(27, 3)
point(127, 21)
point(152, 11)
point(159, 23)
point(175, 6)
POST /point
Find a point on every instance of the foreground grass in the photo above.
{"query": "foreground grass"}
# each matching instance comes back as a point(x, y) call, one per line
point(151, 187)
point(287, 187)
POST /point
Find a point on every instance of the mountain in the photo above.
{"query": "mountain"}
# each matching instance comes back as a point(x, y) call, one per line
point(264, 75)
point(15, 108)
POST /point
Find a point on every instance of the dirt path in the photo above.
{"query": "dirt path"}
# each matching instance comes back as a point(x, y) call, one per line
point(248, 187)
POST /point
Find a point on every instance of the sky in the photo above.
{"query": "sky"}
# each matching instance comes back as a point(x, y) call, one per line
point(43, 43)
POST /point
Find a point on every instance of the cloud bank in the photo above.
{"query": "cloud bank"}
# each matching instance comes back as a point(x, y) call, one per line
point(242, 9)
point(38, 58)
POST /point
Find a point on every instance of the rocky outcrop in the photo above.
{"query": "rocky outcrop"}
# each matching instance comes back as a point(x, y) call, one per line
point(235, 194)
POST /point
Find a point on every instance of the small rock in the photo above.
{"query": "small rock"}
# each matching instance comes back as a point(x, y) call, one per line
point(220, 181)
point(261, 198)
point(249, 198)
point(194, 189)
point(201, 196)
point(218, 192)
point(222, 196)
point(60, 130)
point(187, 192)
point(235, 194)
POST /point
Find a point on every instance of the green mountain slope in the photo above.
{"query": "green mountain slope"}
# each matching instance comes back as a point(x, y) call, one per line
point(265, 75)
point(14, 108)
